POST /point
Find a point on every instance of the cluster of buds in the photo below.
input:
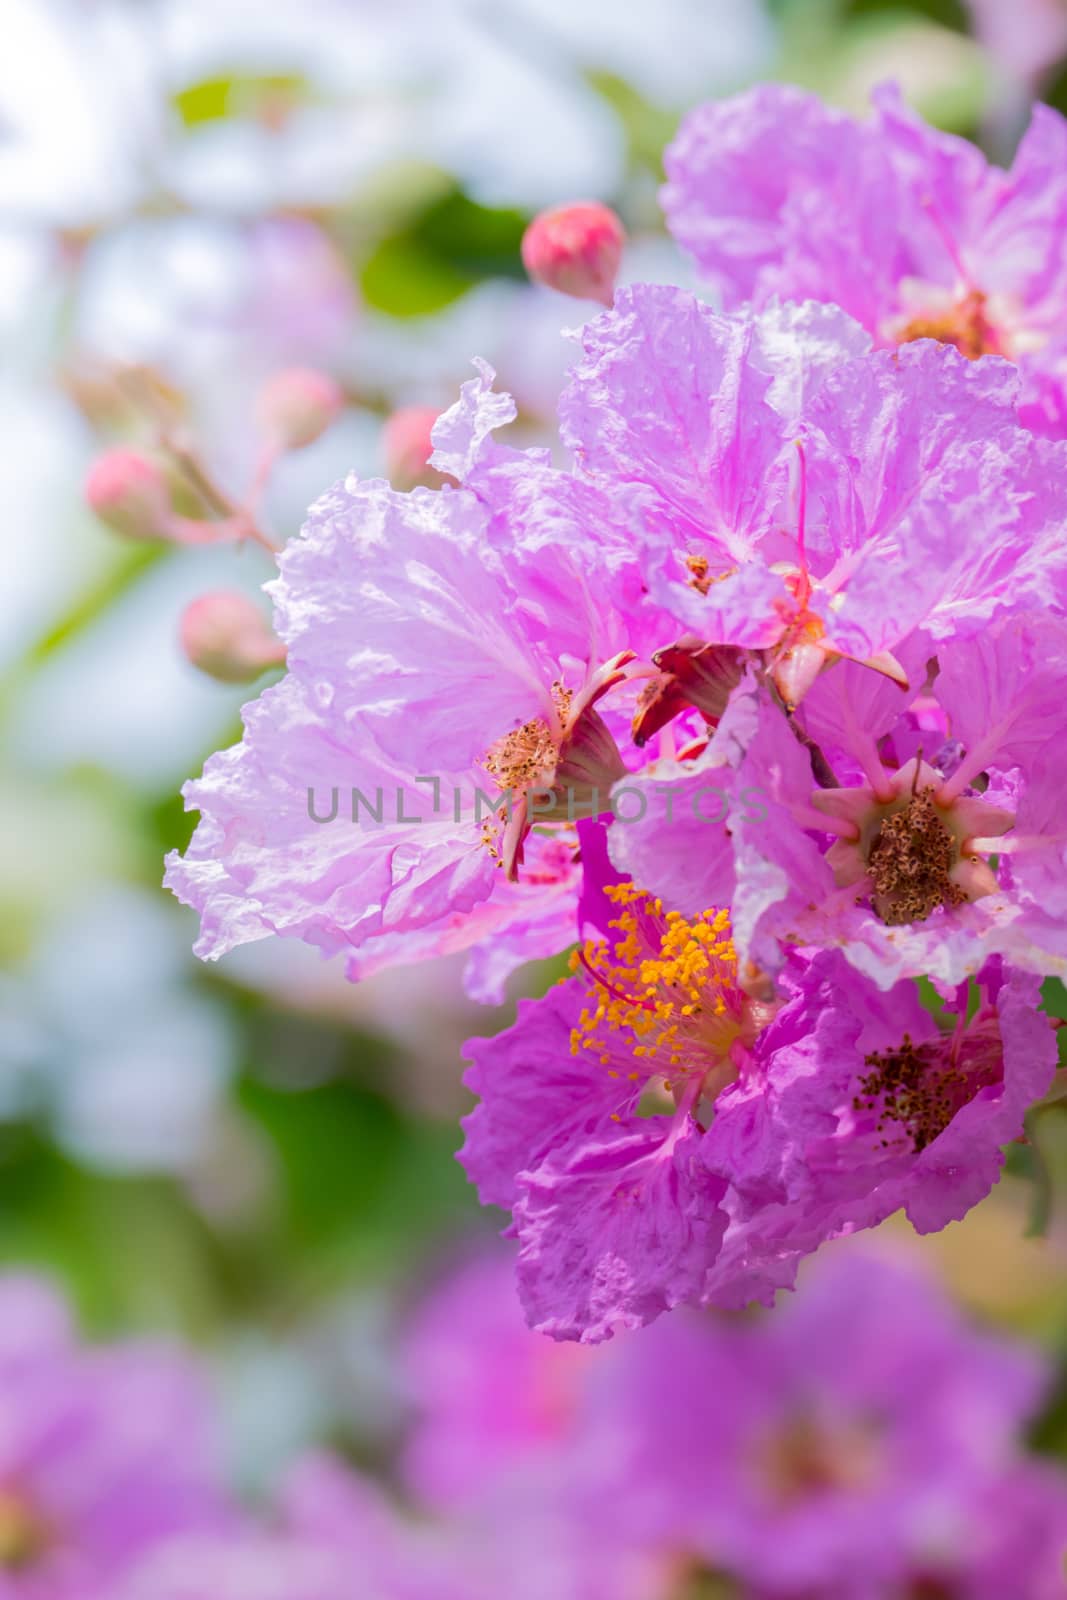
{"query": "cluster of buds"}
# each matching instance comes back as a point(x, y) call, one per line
point(139, 495)
point(167, 493)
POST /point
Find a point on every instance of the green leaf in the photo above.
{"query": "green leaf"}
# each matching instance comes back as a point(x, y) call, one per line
point(403, 279)
point(440, 252)
point(239, 94)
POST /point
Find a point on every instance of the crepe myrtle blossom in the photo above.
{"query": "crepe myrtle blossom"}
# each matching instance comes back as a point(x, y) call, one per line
point(103, 1452)
point(919, 834)
point(907, 229)
point(803, 497)
point(486, 1395)
point(451, 658)
point(427, 666)
point(594, 1110)
point(862, 1442)
point(911, 1114)
point(528, 634)
point(667, 1127)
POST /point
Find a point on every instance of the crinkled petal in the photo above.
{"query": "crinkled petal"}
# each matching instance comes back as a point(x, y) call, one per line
point(617, 1230)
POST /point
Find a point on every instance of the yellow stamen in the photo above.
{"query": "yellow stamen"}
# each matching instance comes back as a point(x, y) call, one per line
point(665, 988)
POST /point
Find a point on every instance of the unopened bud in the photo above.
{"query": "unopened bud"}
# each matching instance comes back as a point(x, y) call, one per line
point(295, 407)
point(407, 448)
point(576, 249)
point(226, 635)
point(129, 492)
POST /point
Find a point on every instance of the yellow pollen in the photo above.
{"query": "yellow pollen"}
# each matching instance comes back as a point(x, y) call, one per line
point(699, 569)
point(964, 325)
point(665, 987)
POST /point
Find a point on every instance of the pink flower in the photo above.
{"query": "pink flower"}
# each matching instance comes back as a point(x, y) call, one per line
point(441, 696)
point(593, 1113)
point(905, 228)
point(911, 1116)
point(913, 852)
point(103, 1452)
point(860, 1442)
point(488, 1396)
point(666, 1128)
point(804, 497)
point(467, 663)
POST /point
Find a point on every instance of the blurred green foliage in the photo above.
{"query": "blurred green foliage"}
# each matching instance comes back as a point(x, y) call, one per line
point(439, 253)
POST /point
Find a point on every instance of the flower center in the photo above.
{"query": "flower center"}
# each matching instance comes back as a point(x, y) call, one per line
point(909, 862)
point(558, 767)
point(917, 1089)
point(809, 1458)
point(910, 844)
point(963, 324)
point(23, 1536)
point(668, 988)
point(521, 757)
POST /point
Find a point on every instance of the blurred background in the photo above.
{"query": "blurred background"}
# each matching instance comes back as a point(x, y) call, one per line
point(194, 194)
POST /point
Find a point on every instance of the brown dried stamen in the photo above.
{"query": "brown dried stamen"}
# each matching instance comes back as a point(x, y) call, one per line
point(909, 1087)
point(909, 863)
point(521, 757)
point(920, 1088)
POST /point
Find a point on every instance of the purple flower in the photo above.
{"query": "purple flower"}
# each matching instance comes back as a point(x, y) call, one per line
point(907, 229)
point(860, 1442)
point(467, 663)
point(594, 1108)
point(441, 696)
point(803, 497)
point(915, 850)
point(103, 1452)
point(486, 1394)
point(667, 1127)
point(910, 1115)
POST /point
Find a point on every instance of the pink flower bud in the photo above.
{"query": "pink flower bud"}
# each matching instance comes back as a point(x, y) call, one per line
point(227, 636)
point(297, 405)
point(576, 249)
point(407, 448)
point(129, 492)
